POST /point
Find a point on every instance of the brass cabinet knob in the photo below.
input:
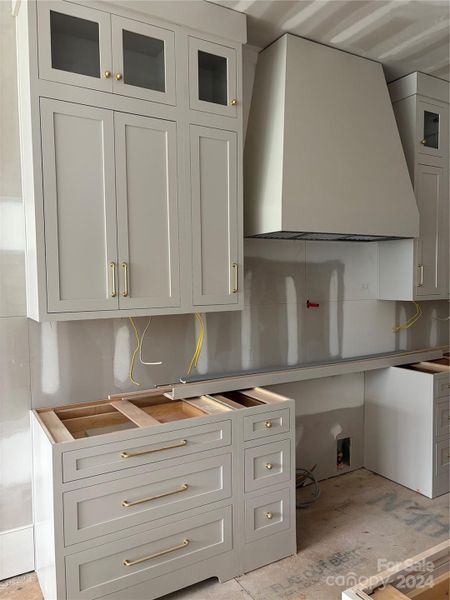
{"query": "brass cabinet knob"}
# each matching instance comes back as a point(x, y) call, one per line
point(119, 76)
point(269, 515)
point(233, 102)
point(107, 74)
point(423, 142)
point(268, 424)
point(269, 466)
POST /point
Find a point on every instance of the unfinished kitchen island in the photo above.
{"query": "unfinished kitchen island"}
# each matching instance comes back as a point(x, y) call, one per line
point(141, 495)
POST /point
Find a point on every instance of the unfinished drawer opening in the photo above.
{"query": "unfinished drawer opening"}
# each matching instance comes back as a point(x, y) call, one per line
point(239, 399)
point(440, 365)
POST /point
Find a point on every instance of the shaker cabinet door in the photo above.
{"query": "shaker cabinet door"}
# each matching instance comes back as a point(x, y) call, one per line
point(144, 60)
point(432, 125)
point(79, 207)
point(147, 211)
point(432, 245)
point(214, 192)
point(74, 45)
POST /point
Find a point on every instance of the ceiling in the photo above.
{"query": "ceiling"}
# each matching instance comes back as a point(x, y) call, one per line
point(404, 35)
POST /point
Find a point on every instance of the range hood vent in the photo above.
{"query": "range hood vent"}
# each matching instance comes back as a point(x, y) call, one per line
point(323, 158)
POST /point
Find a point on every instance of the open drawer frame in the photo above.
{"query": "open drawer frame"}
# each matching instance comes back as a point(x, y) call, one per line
point(147, 408)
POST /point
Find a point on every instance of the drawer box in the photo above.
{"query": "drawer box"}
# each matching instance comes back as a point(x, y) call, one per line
point(266, 424)
point(265, 465)
point(117, 565)
point(268, 515)
point(442, 417)
point(107, 507)
point(147, 449)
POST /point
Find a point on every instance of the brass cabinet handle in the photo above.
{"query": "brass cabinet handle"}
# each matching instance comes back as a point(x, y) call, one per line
point(127, 504)
point(233, 102)
point(423, 142)
point(268, 424)
point(235, 268)
point(269, 466)
point(130, 563)
point(125, 279)
point(107, 74)
point(420, 284)
point(112, 267)
point(142, 452)
point(269, 515)
point(119, 76)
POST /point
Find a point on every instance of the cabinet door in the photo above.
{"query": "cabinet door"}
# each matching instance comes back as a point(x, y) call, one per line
point(144, 60)
point(212, 78)
point(431, 251)
point(432, 126)
point(147, 213)
point(74, 45)
point(214, 216)
point(79, 207)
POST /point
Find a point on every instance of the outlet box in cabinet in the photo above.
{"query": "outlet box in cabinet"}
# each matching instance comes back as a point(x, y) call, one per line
point(164, 492)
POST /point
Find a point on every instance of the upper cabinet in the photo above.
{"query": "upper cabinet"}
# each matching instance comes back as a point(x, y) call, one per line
point(419, 269)
point(87, 47)
point(131, 164)
point(212, 78)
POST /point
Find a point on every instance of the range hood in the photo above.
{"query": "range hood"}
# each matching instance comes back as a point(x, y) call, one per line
point(323, 156)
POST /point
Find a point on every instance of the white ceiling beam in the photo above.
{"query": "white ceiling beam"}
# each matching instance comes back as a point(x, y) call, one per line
point(412, 42)
point(362, 26)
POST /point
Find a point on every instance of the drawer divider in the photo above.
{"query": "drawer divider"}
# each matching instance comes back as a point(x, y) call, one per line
point(134, 413)
point(55, 426)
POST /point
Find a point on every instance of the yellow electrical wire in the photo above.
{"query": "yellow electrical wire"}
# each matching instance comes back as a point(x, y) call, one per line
point(136, 350)
point(410, 322)
point(199, 345)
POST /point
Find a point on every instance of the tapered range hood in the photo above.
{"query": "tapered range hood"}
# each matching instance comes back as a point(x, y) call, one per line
point(323, 157)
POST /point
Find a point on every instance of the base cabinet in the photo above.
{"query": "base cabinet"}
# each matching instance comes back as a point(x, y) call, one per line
point(138, 497)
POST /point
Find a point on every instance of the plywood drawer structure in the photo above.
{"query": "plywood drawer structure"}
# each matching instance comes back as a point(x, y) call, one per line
point(144, 488)
point(407, 425)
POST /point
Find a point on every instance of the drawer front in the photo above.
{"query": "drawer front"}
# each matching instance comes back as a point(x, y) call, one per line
point(442, 387)
point(269, 464)
point(151, 448)
point(442, 451)
point(107, 507)
point(117, 565)
point(267, 514)
point(442, 417)
point(263, 425)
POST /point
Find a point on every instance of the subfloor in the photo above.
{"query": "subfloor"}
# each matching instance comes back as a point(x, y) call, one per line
point(360, 522)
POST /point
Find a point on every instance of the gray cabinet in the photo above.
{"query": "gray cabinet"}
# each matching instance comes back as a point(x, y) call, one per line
point(150, 495)
point(131, 135)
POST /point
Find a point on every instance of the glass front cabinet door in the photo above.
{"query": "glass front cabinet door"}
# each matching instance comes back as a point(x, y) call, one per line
point(74, 45)
point(212, 78)
point(144, 61)
point(433, 128)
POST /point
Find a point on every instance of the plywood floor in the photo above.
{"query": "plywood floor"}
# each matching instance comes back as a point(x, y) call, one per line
point(359, 520)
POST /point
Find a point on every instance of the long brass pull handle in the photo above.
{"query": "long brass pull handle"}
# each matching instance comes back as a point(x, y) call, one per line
point(125, 279)
point(127, 504)
point(112, 267)
point(142, 452)
point(130, 563)
point(420, 284)
point(235, 267)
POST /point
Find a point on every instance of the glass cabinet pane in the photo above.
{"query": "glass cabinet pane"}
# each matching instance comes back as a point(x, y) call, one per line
point(212, 78)
point(430, 129)
point(144, 61)
point(75, 44)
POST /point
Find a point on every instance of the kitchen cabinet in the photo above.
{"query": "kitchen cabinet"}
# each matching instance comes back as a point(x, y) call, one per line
point(151, 494)
point(407, 417)
point(90, 48)
point(419, 269)
point(214, 216)
point(131, 164)
point(212, 77)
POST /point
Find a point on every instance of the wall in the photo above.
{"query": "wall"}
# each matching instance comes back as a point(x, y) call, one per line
point(58, 363)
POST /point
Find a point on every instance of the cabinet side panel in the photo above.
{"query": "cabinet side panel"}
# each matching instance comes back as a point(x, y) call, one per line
point(43, 511)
